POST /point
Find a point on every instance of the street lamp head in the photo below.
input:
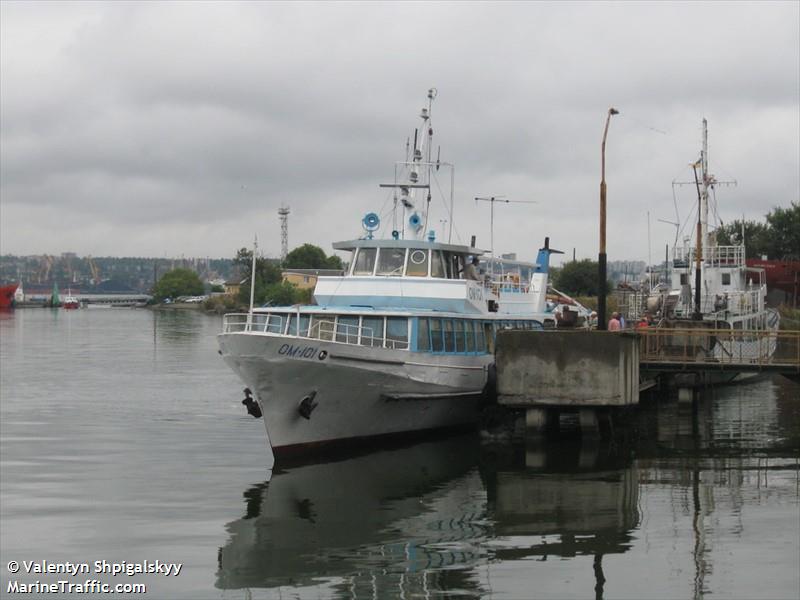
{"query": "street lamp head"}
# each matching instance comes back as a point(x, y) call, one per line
point(613, 111)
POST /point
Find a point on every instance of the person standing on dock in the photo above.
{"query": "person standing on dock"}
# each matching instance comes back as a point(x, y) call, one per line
point(613, 322)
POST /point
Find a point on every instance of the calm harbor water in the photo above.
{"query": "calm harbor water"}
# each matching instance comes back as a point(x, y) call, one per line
point(122, 438)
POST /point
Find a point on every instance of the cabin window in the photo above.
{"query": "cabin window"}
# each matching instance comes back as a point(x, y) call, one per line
point(347, 330)
point(423, 335)
point(291, 325)
point(726, 279)
point(303, 330)
point(275, 324)
point(417, 263)
point(396, 332)
point(365, 261)
point(449, 342)
point(390, 261)
point(322, 327)
point(470, 334)
point(480, 337)
point(437, 342)
point(372, 331)
point(684, 278)
point(259, 322)
point(437, 264)
point(458, 334)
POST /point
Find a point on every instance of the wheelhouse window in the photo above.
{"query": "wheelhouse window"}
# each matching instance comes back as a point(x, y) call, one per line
point(417, 263)
point(437, 264)
point(391, 261)
point(364, 263)
point(451, 265)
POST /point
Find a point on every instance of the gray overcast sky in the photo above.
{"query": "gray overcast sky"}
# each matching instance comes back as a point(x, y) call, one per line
point(155, 128)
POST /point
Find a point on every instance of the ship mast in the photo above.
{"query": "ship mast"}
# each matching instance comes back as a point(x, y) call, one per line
point(706, 182)
point(415, 219)
point(707, 179)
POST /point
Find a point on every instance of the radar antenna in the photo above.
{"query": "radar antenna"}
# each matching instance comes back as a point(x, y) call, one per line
point(491, 200)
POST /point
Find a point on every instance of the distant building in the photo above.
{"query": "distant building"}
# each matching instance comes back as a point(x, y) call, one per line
point(307, 278)
point(232, 287)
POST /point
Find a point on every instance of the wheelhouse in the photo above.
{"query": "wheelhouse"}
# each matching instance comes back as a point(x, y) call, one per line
point(406, 258)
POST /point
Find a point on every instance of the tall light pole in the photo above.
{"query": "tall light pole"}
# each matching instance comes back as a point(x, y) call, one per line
point(601, 259)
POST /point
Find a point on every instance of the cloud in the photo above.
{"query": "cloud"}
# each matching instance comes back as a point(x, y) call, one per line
point(152, 128)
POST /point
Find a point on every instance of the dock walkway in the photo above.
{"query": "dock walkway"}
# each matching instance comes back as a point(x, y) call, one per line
point(551, 371)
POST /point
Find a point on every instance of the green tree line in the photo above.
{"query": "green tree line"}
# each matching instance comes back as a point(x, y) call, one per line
point(778, 238)
point(269, 286)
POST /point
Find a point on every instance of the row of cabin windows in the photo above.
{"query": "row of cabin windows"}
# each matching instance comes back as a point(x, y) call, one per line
point(408, 262)
point(463, 336)
point(437, 335)
point(389, 332)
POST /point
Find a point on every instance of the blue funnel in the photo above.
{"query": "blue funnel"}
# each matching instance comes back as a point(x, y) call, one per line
point(543, 258)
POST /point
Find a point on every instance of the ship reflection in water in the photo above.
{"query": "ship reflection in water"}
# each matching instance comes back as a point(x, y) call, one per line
point(656, 513)
point(416, 520)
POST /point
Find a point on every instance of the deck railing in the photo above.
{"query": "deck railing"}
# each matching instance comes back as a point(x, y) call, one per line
point(723, 347)
point(323, 328)
point(715, 256)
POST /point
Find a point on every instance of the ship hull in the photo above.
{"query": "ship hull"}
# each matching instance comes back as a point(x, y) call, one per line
point(357, 393)
point(7, 295)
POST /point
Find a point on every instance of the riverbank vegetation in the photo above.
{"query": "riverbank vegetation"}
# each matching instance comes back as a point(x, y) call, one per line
point(777, 239)
point(270, 289)
point(176, 283)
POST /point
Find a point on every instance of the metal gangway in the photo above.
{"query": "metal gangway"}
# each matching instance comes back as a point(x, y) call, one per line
point(722, 349)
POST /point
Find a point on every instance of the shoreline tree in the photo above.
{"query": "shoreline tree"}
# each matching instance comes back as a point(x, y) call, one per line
point(778, 238)
point(178, 282)
point(309, 256)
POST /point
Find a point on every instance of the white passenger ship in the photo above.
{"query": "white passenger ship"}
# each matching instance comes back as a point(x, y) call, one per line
point(401, 342)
